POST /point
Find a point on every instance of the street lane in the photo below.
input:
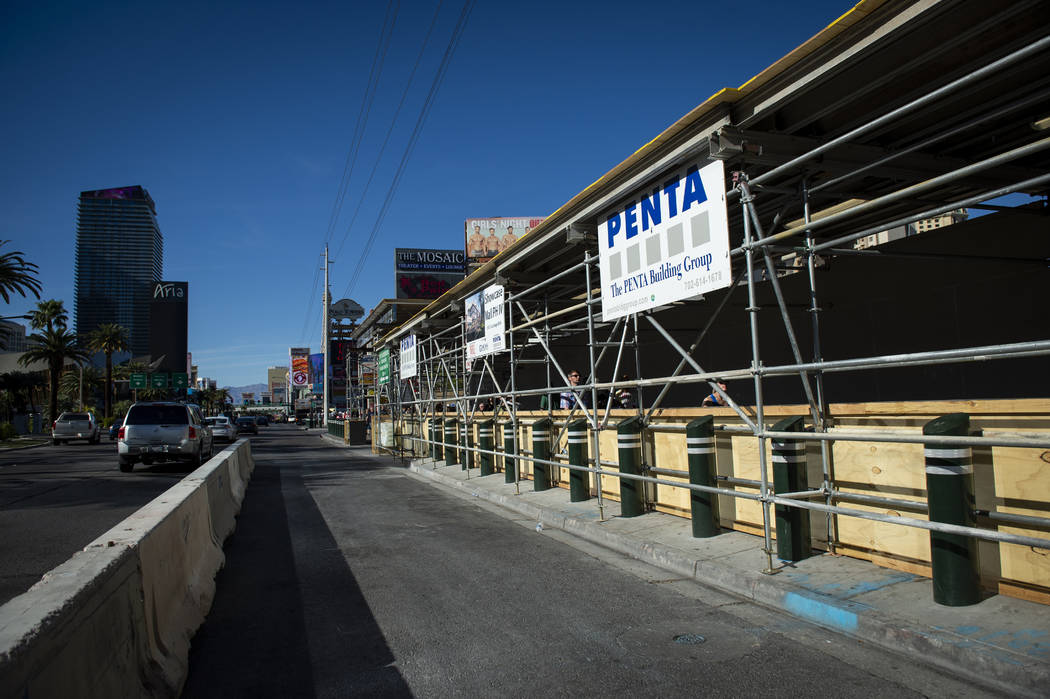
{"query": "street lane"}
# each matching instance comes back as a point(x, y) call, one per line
point(346, 576)
point(54, 500)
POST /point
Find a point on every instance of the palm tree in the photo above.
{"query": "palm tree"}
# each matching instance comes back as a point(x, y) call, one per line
point(56, 347)
point(222, 397)
point(70, 384)
point(108, 338)
point(18, 386)
point(17, 275)
point(49, 315)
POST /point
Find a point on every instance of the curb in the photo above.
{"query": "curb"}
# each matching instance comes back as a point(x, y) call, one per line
point(940, 647)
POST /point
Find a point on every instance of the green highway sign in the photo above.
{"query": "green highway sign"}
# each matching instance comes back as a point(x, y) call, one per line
point(138, 380)
point(180, 380)
point(158, 380)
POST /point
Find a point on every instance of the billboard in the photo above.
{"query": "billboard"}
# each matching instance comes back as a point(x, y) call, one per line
point(299, 376)
point(317, 373)
point(426, 274)
point(487, 237)
point(483, 318)
point(667, 243)
point(168, 325)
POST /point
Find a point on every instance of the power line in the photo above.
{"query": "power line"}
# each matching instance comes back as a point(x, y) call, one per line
point(390, 129)
point(457, 33)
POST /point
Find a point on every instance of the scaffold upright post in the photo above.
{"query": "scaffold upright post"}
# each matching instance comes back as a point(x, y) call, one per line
point(451, 429)
point(510, 462)
point(949, 490)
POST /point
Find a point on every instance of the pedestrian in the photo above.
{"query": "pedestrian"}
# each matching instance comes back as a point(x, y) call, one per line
point(714, 399)
point(623, 395)
point(573, 396)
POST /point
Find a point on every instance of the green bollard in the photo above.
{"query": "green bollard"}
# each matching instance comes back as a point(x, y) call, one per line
point(541, 449)
point(465, 433)
point(579, 481)
point(949, 491)
point(435, 439)
point(700, 447)
point(451, 426)
point(486, 442)
point(510, 464)
point(789, 476)
point(629, 447)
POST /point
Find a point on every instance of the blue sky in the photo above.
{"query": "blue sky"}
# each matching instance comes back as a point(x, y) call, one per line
point(238, 118)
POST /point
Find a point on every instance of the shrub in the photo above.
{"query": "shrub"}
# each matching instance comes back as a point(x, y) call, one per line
point(7, 431)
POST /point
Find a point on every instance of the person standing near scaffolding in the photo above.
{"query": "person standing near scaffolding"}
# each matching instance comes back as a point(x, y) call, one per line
point(572, 397)
point(714, 400)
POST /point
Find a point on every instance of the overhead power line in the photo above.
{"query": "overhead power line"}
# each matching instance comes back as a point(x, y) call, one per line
point(457, 33)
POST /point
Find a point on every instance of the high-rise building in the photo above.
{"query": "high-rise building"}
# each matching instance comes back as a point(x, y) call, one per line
point(120, 254)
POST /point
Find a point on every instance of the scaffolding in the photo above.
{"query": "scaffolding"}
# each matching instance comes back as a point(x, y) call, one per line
point(814, 164)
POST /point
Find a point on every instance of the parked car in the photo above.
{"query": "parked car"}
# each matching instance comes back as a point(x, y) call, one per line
point(163, 431)
point(246, 423)
point(222, 427)
point(70, 426)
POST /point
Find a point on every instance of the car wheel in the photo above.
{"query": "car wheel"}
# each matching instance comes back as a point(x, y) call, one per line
point(126, 464)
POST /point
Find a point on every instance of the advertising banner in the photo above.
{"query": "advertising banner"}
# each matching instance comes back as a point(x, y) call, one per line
point(487, 237)
point(384, 366)
point(484, 322)
point(299, 376)
point(426, 274)
point(666, 244)
point(408, 357)
point(317, 373)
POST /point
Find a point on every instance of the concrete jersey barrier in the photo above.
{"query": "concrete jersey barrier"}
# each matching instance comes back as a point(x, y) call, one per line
point(116, 619)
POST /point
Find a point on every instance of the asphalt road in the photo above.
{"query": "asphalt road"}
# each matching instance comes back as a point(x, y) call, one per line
point(350, 577)
point(55, 500)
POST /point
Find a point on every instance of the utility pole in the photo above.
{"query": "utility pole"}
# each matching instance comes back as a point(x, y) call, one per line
point(324, 340)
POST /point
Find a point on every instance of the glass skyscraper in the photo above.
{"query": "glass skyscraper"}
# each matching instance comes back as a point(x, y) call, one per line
point(120, 254)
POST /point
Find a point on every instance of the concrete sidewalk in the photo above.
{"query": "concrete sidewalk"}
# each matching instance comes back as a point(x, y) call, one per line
point(1001, 641)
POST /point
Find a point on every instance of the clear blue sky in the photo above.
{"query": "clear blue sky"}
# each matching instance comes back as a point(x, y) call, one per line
point(238, 118)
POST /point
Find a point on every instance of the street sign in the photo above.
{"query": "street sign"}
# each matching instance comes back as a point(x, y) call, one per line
point(139, 380)
point(180, 380)
point(158, 380)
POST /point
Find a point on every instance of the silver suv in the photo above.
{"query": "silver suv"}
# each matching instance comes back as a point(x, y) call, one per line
point(163, 431)
point(70, 426)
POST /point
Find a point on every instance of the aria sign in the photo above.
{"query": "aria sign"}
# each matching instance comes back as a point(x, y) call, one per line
point(169, 291)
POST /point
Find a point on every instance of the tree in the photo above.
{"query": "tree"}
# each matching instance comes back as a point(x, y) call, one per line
point(56, 347)
point(108, 338)
point(19, 386)
point(86, 378)
point(49, 315)
point(17, 275)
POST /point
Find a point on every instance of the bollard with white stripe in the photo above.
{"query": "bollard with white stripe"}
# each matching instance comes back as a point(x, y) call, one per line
point(579, 481)
point(435, 440)
point(541, 449)
point(510, 464)
point(949, 491)
point(789, 476)
point(629, 448)
point(466, 431)
point(700, 447)
point(485, 443)
point(451, 427)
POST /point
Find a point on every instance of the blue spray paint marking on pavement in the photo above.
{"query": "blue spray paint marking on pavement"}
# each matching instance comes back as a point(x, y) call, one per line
point(823, 613)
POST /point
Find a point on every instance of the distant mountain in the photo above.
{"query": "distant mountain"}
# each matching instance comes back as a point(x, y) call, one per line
point(236, 392)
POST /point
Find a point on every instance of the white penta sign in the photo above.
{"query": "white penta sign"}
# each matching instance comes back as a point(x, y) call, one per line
point(668, 243)
point(408, 357)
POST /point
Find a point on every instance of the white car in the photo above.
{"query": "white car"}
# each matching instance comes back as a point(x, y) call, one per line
point(222, 427)
point(70, 426)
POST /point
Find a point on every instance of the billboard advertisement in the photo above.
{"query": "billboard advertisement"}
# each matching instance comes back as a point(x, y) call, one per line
point(667, 243)
point(317, 373)
point(426, 274)
point(483, 317)
point(408, 357)
point(487, 237)
point(168, 325)
point(299, 376)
